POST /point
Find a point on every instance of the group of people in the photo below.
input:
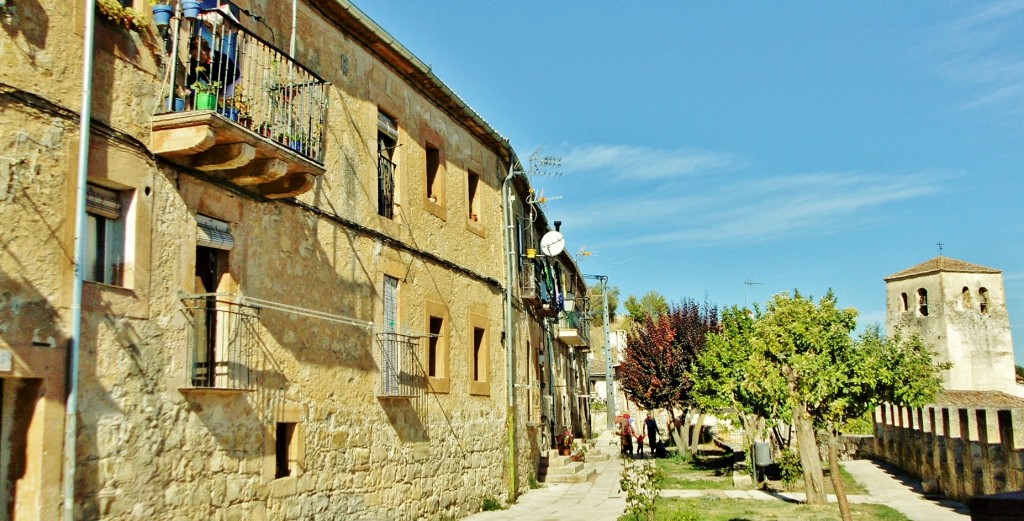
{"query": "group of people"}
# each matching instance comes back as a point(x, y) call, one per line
point(628, 431)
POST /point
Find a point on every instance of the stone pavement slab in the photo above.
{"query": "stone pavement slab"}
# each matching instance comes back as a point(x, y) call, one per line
point(596, 500)
point(887, 485)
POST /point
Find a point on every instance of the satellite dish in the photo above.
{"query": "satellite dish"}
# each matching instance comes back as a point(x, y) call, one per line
point(552, 243)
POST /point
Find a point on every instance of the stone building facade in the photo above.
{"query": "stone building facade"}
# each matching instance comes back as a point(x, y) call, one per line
point(295, 302)
point(959, 309)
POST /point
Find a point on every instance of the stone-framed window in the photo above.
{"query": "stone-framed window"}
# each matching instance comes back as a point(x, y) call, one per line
point(983, 302)
point(387, 144)
point(922, 302)
point(105, 253)
point(905, 301)
point(437, 348)
point(479, 356)
point(473, 196)
point(435, 182)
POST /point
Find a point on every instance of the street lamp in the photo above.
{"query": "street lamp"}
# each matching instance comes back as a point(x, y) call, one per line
point(608, 375)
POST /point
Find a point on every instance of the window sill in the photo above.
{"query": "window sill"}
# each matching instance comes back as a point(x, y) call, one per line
point(480, 388)
point(439, 210)
point(98, 297)
point(438, 385)
point(476, 227)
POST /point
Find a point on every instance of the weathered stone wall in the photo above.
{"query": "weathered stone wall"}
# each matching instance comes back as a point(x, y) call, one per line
point(149, 450)
point(960, 452)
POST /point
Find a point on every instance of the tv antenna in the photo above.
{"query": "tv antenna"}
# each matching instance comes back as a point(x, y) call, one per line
point(550, 166)
point(584, 253)
point(746, 286)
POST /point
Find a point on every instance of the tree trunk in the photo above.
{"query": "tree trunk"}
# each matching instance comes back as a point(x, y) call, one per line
point(807, 446)
point(696, 433)
point(837, 479)
point(671, 427)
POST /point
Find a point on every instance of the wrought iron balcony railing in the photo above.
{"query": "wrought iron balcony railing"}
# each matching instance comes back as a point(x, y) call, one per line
point(574, 328)
point(221, 66)
point(222, 342)
point(401, 374)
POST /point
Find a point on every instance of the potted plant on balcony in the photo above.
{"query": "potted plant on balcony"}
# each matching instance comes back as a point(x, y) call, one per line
point(162, 12)
point(127, 17)
point(206, 92)
point(236, 107)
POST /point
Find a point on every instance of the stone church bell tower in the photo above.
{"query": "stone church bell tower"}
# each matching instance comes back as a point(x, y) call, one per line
point(959, 309)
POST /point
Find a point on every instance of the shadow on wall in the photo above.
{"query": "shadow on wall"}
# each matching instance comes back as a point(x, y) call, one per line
point(28, 18)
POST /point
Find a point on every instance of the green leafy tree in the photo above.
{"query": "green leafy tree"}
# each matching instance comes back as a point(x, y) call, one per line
point(720, 381)
point(799, 340)
point(659, 355)
point(597, 304)
point(828, 378)
point(651, 305)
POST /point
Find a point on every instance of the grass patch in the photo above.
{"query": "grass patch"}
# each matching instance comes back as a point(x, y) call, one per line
point(708, 470)
point(717, 509)
point(849, 484)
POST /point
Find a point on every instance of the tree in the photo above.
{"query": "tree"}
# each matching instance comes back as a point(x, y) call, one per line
point(720, 376)
point(829, 378)
point(652, 304)
point(798, 339)
point(659, 354)
point(597, 304)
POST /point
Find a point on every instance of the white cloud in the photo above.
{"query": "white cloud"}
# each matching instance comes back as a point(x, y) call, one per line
point(636, 163)
point(980, 51)
point(753, 210)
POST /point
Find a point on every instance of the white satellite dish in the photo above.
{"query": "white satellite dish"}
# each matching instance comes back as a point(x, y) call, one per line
point(552, 243)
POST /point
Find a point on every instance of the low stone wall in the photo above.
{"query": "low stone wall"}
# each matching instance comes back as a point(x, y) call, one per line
point(961, 452)
point(851, 447)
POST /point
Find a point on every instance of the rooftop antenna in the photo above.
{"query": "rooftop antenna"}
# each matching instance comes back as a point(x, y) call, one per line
point(584, 253)
point(550, 166)
point(746, 286)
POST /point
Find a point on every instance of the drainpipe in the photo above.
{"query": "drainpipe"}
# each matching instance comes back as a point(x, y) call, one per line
point(71, 412)
point(510, 359)
point(295, 19)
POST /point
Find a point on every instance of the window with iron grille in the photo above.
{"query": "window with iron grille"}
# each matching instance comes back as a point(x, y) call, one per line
point(387, 142)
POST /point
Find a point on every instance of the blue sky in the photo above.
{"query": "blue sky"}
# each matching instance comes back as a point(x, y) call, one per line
point(804, 144)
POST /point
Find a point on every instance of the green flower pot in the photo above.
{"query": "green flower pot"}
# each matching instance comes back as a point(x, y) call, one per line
point(206, 101)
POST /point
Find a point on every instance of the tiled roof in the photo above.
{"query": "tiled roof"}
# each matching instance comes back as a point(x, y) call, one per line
point(938, 264)
point(978, 399)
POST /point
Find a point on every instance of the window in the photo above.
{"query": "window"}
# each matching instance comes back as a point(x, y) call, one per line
point(983, 300)
point(472, 194)
point(221, 337)
point(922, 302)
point(285, 453)
point(387, 142)
point(437, 348)
point(435, 185)
point(105, 236)
point(906, 304)
point(965, 298)
point(479, 356)
point(391, 359)
point(434, 348)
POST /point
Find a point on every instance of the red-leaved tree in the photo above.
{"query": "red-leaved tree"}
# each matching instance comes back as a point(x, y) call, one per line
point(660, 351)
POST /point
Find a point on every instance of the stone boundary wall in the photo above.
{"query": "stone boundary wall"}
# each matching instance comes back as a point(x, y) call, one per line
point(961, 452)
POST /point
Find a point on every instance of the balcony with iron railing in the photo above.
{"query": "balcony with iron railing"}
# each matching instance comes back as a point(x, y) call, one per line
point(239, 109)
point(401, 373)
point(574, 328)
point(223, 341)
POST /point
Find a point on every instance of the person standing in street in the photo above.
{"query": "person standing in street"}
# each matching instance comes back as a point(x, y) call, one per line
point(651, 426)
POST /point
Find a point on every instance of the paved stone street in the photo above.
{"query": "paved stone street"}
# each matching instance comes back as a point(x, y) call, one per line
point(601, 499)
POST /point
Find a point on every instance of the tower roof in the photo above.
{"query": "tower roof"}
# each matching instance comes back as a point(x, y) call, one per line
point(939, 264)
